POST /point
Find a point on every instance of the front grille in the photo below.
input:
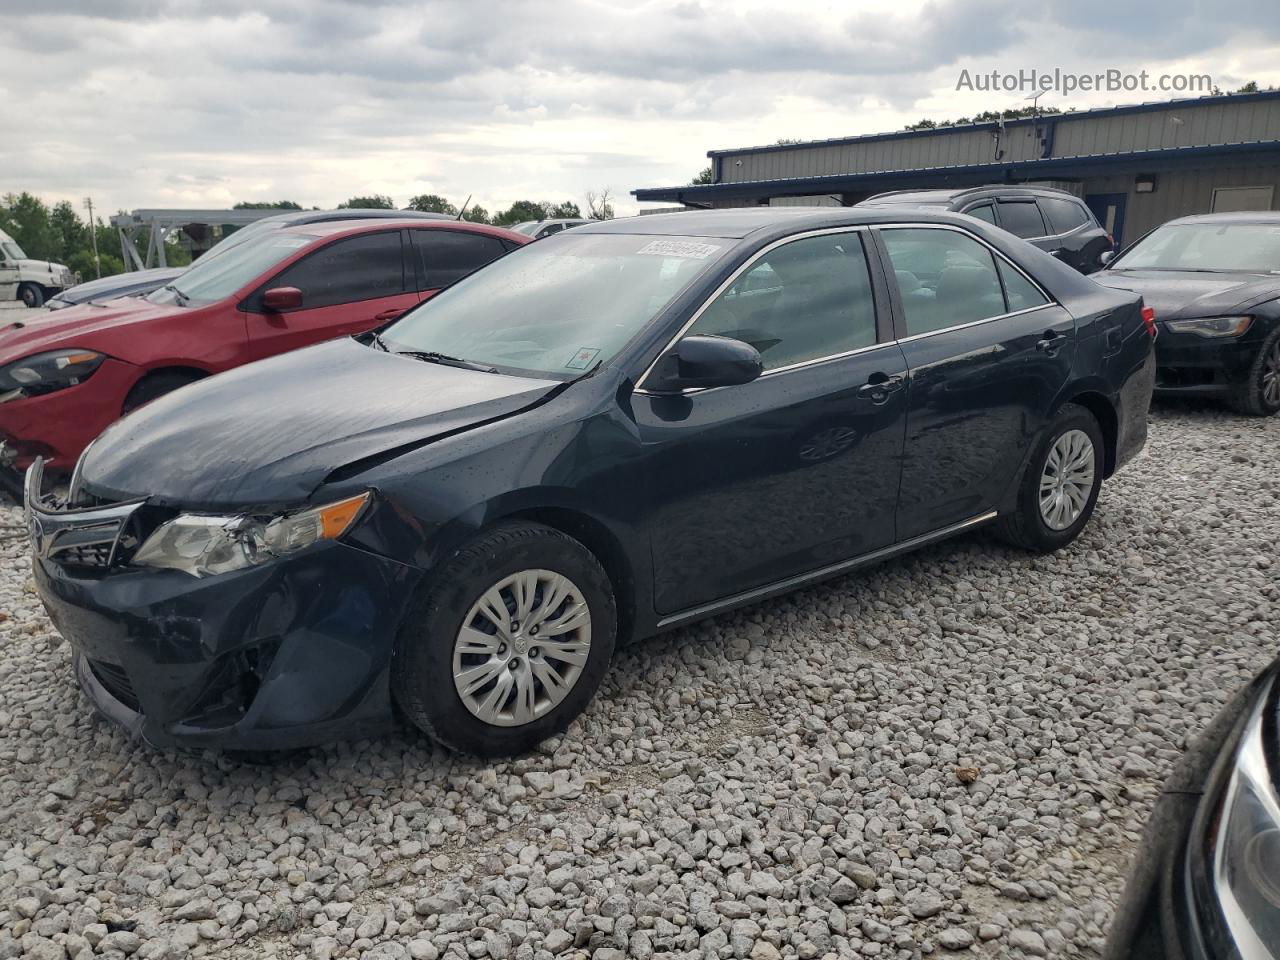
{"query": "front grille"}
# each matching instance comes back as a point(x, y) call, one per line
point(94, 555)
point(116, 682)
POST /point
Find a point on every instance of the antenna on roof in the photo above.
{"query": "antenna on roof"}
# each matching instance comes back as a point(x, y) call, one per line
point(464, 207)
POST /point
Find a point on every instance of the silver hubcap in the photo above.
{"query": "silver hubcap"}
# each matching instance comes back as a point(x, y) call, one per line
point(1271, 376)
point(1067, 480)
point(522, 647)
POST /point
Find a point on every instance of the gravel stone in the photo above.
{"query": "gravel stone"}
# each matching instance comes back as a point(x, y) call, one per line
point(955, 748)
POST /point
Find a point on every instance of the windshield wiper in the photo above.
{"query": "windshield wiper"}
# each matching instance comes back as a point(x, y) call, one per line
point(183, 299)
point(430, 356)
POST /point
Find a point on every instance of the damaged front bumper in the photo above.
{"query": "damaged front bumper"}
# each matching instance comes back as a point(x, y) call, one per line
point(290, 653)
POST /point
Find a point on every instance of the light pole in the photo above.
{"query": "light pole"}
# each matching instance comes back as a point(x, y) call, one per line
point(93, 235)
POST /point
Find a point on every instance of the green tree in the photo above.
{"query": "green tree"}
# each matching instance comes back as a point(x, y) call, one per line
point(564, 211)
point(519, 212)
point(432, 203)
point(376, 201)
point(476, 214)
point(73, 235)
point(986, 116)
point(706, 175)
point(26, 219)
point(267, 205)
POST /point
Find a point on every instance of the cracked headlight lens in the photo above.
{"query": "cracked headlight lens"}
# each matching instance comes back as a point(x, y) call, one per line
point(205, 546)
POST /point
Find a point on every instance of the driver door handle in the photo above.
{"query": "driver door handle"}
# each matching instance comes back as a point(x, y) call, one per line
point(878, 387)
point(388, 314)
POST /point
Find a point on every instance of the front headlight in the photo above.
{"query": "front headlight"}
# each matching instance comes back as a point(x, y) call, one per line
point(1244, 853)
point(46, 372)
point(207, 545)
point(1211, 326)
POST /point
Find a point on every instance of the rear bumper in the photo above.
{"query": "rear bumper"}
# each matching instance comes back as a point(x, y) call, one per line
point(292, 653)
point(1132, 411)
point(59, 425)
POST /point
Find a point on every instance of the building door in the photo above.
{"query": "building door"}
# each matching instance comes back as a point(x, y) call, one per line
point(1109, 209)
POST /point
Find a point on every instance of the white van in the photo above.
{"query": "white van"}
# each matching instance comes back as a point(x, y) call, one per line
point(31, 281)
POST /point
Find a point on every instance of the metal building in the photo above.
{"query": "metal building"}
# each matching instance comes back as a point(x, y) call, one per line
point(1136, 166)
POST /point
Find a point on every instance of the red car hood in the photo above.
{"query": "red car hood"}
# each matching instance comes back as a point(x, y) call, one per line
point(92, 327)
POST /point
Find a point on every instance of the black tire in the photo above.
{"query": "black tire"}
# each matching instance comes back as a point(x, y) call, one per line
point(31, 295)
point(1025, 525)
point(1249, 396)
point(422, 680)
point(154, 386)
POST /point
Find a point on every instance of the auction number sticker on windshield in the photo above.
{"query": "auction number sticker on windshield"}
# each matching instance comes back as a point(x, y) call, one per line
point(582, 359)
point(688, 249)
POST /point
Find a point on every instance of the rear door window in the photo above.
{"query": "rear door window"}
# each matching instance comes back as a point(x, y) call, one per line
point(446, 256)
point(1022, 218)
point(364, 267)
point(944, 278)
point(1063, 215)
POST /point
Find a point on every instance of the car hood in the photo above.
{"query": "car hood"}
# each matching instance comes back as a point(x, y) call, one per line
point(78, 326)
point(40, 266)
point(269, 433)
point(1177, 294)
point(107, 286)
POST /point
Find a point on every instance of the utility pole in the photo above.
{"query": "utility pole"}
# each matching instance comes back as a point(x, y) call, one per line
point(93, 235)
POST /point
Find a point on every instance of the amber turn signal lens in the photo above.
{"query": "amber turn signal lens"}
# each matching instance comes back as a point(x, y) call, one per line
point(335, 518)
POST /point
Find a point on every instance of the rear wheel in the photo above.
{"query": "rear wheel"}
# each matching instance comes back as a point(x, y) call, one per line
point(31, 295)
point(1060, 486)
point(154, 386)
point(507, 643)
point(1258, 395)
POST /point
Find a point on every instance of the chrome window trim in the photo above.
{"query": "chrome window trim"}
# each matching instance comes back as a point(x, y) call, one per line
point(860, 228)
point(731, 279)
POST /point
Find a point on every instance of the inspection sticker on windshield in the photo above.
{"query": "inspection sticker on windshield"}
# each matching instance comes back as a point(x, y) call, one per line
point(688, 249)
point(582, 359)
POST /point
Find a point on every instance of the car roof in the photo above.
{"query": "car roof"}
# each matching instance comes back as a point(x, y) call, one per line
point(331, 227)
point(350, 213)
point(742, 222)
point(950, 195)
point(1238, 216)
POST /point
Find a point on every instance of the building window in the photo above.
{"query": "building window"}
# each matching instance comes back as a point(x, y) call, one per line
point(1232, 199)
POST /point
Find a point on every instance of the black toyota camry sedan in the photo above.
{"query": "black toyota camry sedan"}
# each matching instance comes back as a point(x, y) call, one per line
point(617, 430)
point(1214, 282)
point(1206, 882)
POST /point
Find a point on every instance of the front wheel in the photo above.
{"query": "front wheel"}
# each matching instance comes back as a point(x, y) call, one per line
point(1259, 394)
point(1060, 486)
point(507, 643)
point(31, 295)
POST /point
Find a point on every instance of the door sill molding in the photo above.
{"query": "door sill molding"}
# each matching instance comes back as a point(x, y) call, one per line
point(783, 586)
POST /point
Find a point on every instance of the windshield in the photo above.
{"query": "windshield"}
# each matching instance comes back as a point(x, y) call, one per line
point(12, 251)
point(211, 280)
point(557, 307)
point(1210, 247)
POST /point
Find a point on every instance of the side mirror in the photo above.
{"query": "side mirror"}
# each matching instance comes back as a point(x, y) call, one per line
point(282, 298)
point(1106, 257)
point(701, 361)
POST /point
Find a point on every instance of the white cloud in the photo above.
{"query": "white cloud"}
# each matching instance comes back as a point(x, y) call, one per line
point(162, 103)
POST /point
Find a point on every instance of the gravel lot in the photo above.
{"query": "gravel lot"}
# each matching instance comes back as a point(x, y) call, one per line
point(954, 751)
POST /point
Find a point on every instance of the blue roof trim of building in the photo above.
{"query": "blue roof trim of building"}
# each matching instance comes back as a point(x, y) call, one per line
point(1149, 107)
point(994, 172)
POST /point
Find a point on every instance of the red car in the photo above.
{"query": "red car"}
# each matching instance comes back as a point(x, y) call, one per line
point(64, 377)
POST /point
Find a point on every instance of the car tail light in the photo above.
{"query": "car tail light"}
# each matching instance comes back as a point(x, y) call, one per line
point(1111, 238)
point(1149, 318)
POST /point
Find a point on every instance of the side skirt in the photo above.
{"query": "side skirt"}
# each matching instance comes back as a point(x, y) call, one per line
point(813, 576)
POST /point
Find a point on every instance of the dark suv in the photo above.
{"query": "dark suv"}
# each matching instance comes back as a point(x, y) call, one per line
point(1055, 221)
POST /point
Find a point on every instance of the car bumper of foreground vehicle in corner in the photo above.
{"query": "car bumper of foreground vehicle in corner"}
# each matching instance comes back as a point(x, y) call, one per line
point(269, 657)
point(1189, 364)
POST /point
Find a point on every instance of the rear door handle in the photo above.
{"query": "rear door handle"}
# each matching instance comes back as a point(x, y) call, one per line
point(388, 314)
point(878, 387)
point(1051, 343)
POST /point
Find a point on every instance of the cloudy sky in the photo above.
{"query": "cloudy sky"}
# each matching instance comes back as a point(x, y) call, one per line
point(177, 103)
